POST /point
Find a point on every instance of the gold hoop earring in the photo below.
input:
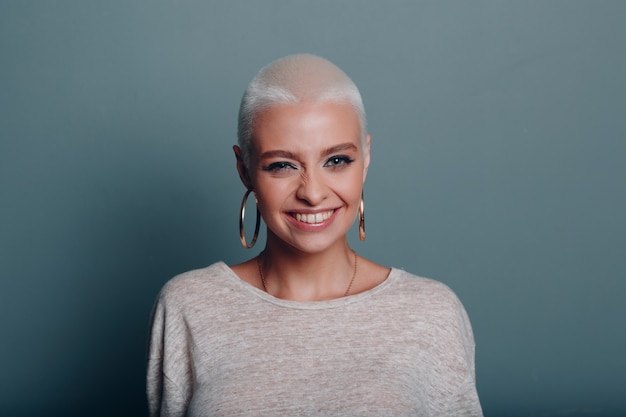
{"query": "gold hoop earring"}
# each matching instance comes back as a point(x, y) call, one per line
point(362, 219)
point(242, 215)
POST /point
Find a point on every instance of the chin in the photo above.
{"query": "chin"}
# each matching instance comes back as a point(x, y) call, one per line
point(318, 244)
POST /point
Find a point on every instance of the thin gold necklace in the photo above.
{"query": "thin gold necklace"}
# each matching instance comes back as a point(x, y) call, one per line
point(260, 266)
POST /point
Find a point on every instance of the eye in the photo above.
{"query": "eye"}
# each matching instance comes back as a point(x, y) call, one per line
point(278, 166)
point(338, 161)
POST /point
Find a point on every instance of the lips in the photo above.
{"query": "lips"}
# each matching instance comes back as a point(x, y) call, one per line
point(313, 218)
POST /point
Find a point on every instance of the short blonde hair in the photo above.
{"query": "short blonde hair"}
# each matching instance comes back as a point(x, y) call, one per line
point(301, 78)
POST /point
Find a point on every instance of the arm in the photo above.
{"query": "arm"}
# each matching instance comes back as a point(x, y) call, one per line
point(169, 376)
point(465, 401)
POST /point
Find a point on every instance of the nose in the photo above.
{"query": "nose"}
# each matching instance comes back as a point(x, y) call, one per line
point(312, 189)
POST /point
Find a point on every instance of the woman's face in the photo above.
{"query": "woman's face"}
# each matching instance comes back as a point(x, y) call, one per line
point(307, 170)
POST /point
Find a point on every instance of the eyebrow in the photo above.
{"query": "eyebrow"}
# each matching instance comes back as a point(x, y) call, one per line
point(348, 146)
point(290, 155)
point(278, 154)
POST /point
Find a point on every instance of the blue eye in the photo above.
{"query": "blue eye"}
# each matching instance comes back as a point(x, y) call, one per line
point(278, 166)
point(337, 161)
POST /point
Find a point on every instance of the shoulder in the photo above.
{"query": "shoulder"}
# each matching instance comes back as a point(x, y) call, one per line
point(415, 285)
point(432, 298)
point(189, 286)
point(433, 301)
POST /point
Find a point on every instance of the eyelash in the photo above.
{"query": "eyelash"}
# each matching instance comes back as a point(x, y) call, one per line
point(338, 161)
point(278, 166)
point(332, 162)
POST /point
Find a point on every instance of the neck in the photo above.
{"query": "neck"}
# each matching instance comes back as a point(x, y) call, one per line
point(303, 276)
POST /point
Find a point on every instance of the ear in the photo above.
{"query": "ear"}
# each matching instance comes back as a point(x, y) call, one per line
point(244, 174)
point(366, 155)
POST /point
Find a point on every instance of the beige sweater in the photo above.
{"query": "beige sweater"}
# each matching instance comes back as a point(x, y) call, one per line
point(221, 347)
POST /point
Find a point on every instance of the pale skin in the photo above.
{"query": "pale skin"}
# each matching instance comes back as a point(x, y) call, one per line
point(307, 171)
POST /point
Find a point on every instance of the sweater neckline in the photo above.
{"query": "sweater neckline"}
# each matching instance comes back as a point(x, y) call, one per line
point(306, 305)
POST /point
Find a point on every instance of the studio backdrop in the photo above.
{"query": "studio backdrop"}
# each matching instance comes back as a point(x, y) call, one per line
point(498, 167)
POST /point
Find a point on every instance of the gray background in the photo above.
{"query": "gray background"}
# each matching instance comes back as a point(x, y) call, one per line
point(499, 139)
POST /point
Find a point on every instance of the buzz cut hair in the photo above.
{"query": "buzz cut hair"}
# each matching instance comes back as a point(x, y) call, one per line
point(294, 79)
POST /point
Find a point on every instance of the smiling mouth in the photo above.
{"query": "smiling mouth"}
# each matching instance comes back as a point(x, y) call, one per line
point(313, 218)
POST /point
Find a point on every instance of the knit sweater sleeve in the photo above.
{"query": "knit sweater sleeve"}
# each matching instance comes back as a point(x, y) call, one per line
point(169, 371)
point(464, 400)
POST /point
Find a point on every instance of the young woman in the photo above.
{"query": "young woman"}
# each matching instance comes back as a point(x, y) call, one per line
point(308, 327)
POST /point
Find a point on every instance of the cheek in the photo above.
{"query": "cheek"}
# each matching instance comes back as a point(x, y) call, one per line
point(351, 190)
point(271, 195)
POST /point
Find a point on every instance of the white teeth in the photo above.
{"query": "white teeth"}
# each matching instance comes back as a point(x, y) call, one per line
point(313, 218)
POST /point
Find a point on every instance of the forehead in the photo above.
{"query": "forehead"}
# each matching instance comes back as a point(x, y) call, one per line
point(293, 125)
